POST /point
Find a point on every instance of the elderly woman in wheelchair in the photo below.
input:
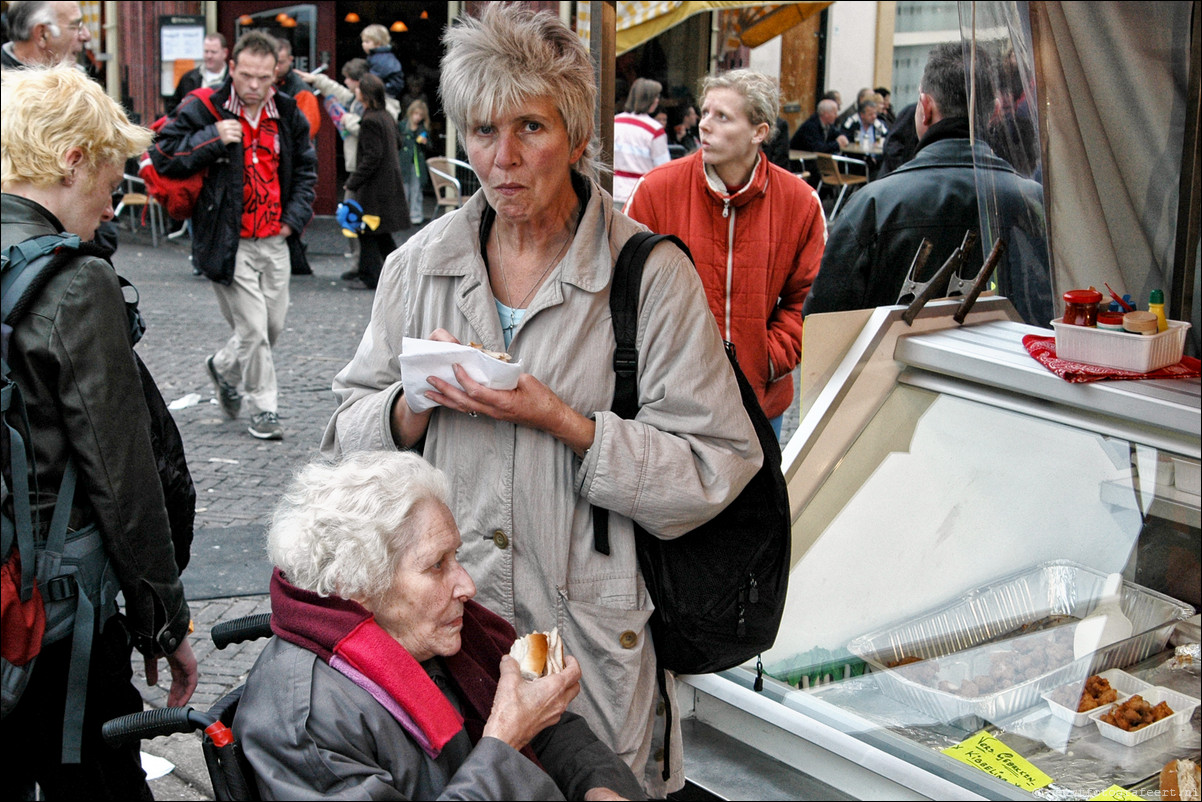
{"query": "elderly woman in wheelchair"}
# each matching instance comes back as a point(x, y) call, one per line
point(384, 679)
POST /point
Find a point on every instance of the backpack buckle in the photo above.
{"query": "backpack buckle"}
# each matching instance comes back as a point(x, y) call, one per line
point(626, 361)
point(59, 588)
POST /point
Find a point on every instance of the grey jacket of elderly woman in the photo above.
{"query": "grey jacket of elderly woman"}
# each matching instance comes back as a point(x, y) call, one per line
point(522, 498)
point(341, 743)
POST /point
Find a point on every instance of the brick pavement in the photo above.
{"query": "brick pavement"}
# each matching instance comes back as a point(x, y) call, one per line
point(238, 478)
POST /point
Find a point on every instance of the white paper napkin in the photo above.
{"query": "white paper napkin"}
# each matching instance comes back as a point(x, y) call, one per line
point(424, 358)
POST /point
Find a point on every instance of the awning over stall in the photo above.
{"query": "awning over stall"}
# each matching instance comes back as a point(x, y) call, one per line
point(637, 22)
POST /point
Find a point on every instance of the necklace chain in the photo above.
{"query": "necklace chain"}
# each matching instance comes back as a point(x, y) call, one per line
point(538, 283)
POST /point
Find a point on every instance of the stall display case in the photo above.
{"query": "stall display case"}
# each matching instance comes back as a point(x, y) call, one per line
point(958, 510)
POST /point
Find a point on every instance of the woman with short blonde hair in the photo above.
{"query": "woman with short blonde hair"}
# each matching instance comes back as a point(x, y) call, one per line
point(526, 266)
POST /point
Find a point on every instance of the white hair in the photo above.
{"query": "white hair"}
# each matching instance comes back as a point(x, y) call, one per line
point(341, 529)
point(510, 55)
point(23, 17)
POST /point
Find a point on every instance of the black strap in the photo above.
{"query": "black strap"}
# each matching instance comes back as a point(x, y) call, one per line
point(624, 309)
point(662, 679)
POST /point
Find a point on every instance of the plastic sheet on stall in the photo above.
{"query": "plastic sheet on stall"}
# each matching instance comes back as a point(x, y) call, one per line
point(1003, 102)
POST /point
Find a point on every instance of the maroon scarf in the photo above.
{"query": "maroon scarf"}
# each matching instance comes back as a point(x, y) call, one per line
point(345, 635)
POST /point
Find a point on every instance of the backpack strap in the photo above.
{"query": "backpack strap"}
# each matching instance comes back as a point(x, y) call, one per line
point(205, 93)
point(56, 588)
point(624, 309)
point(20, 284)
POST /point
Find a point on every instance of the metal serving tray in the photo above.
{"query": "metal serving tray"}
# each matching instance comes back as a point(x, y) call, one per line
point(982, 634)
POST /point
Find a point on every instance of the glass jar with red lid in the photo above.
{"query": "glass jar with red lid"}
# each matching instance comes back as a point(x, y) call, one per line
point(1081, 307)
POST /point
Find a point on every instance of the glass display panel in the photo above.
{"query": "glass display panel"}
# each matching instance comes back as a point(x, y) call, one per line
point(940, 572)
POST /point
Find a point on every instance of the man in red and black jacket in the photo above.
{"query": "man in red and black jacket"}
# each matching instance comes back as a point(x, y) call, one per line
point(260, 188)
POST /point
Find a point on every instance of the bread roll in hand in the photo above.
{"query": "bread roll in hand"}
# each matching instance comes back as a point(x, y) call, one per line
point(539, 654)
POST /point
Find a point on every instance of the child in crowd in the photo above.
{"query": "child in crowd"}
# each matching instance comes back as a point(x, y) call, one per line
point(415, 144)
point(377, 44)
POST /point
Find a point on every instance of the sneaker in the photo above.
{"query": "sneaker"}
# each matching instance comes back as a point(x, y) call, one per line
point(266, 426)
point(227, 394)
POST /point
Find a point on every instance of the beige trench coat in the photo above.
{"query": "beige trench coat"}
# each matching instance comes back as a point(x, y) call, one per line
point(522, 498)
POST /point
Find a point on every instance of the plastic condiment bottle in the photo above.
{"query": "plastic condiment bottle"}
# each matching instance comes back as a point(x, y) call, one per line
point(1156, 307)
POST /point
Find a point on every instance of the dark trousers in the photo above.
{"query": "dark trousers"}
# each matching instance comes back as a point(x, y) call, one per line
point(33, 732)
point(373, 250)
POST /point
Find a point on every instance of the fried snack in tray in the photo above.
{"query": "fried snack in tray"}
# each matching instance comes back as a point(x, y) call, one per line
point(1136, 713)
point(1017, 661)
point(498, 355)
point(1097, 692)
point(1029, 651)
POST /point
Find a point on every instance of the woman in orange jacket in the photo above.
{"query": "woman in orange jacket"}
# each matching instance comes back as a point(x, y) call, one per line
point(756, 231)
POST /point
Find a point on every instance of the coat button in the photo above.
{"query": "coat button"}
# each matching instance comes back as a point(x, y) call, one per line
point(659, 707)
point(628, 639)
point(659, 755)
point(499, 538)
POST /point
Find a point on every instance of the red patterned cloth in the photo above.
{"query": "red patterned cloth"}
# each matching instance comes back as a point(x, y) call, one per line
point(1043, 350)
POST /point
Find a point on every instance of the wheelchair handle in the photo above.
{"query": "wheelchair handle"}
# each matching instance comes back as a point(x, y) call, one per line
point(250, 627)
point(153, 723)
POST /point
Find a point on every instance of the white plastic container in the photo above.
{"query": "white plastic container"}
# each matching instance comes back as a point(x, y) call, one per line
point(1182, 706)
point(1187, 475)
point(1122, 682)
point(1141, 353)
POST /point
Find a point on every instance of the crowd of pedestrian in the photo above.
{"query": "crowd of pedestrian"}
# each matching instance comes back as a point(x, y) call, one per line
point(444, 518)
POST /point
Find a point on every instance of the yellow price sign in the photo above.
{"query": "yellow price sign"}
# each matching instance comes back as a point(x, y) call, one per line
point(1117, 792)
point(991, 756)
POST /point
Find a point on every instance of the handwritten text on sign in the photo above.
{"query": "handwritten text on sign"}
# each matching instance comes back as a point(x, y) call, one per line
point(993, 757)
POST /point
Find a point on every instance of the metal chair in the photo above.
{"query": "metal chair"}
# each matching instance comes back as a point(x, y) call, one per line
point(448, 192)
point(828, 168)
point(468, 180)
point(133, 199)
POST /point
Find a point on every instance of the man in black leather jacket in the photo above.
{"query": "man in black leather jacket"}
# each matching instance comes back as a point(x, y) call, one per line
point(71, 356)
point(872, 242)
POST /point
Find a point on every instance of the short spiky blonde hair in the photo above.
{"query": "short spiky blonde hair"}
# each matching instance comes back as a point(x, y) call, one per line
point(510, 55)
point(49, 110)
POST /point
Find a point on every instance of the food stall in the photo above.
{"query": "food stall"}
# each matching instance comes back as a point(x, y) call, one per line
point(958, 505)
point(960, 511)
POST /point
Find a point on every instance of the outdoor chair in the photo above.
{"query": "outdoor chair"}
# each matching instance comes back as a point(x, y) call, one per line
point(448, 192)
point(136, 198)
point(832, 177)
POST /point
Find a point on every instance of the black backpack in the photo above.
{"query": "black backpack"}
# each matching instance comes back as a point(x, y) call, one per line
point(719, 591)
